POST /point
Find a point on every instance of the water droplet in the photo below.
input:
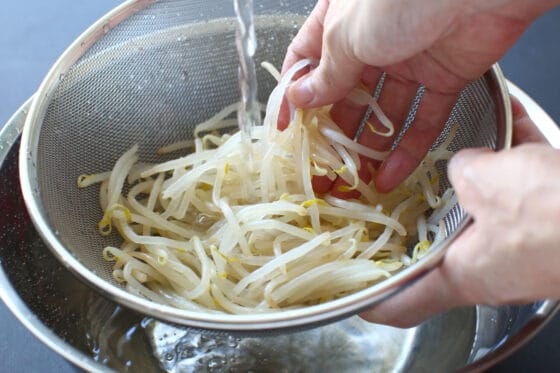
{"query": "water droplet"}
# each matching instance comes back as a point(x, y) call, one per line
point(169, 356)
point(184, 75)
point(145, 322)
point(187, 353)
point(216, 362)
point(106, 28)
point(232, 341)
point(61, 77)
point(203, 219)
point(234, 359)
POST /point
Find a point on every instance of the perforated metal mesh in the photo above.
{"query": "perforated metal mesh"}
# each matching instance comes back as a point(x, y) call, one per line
point(148, 80)
point(144, 82)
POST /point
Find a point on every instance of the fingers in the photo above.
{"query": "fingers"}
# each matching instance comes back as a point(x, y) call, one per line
point(426, 298)
point(489, 184)
point(524, 129)
point(346, 113)
point(428, 124)
point(395, 101)
point(283, 116)
point(349, 115)
point(468, 172)
point(438, 291)
point(338, 71)
point(331, 81)
point(307, 44)
point(430, 119)
point(512, 196)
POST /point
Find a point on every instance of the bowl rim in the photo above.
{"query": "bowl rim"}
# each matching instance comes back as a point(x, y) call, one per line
point(10, 133)
point(32, 109)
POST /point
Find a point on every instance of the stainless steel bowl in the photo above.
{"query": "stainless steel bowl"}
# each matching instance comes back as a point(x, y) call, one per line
point(97, 335)
point(147, 73)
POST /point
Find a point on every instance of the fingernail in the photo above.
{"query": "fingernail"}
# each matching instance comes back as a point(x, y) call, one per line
point(301, 93)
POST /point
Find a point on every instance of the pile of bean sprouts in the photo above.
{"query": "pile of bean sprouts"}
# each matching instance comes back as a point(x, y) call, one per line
point(221, 230)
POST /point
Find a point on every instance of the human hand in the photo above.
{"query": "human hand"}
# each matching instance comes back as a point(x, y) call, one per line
point(441, 44)
point(509, 255)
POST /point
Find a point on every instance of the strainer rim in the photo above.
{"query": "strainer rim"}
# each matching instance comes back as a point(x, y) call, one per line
point(283, 319)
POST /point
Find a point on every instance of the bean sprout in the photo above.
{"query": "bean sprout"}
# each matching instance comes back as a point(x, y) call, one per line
point(207, 231)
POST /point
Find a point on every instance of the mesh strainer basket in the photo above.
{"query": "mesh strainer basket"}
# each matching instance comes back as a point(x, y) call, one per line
point(147, 73)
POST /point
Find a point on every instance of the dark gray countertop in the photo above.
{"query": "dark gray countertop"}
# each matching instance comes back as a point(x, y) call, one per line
point(35, 32)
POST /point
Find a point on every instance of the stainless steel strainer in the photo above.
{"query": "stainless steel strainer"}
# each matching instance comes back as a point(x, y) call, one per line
point(147, 73)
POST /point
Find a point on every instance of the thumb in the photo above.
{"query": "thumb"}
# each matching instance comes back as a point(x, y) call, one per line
point(441, 289)
point(470, 172)
point(330, 82)
point(325, 36)
point(429, 296)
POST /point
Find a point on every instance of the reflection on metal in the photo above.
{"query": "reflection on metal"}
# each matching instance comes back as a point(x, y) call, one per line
point(96, 334)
